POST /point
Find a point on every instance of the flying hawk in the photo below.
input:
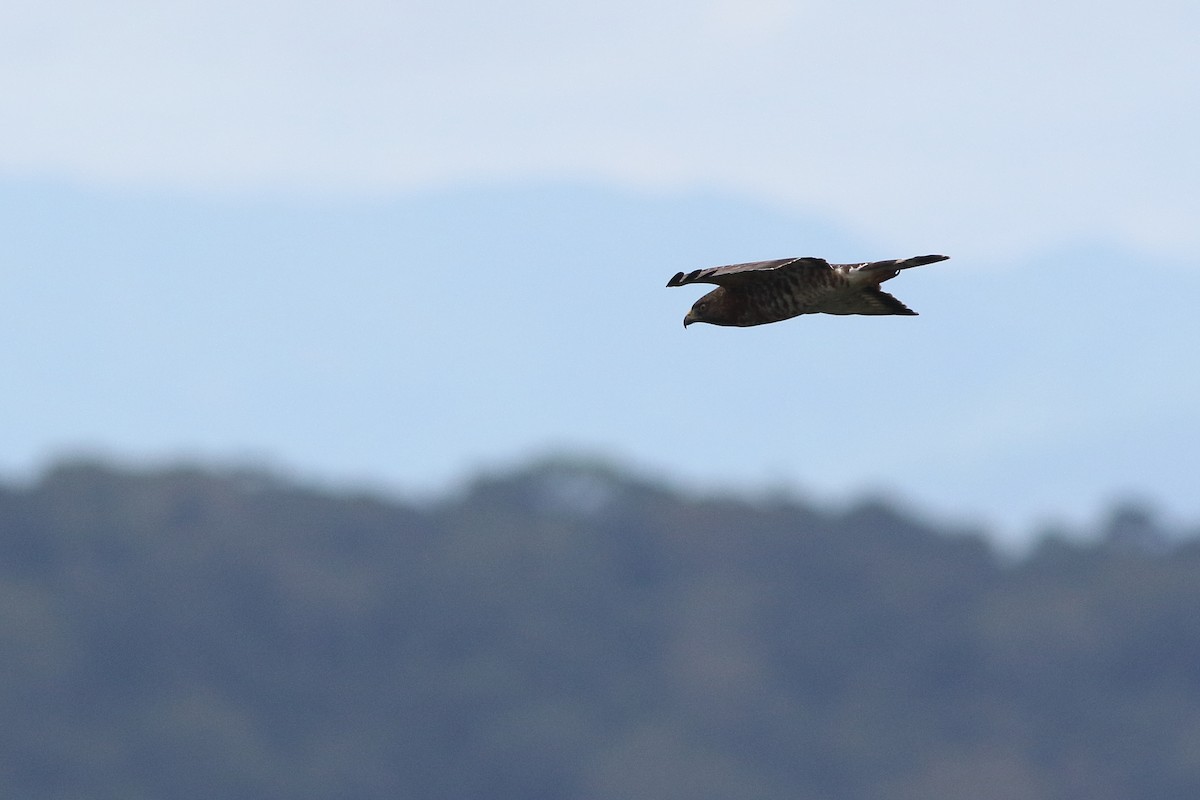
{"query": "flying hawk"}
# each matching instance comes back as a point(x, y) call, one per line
point(770, 291)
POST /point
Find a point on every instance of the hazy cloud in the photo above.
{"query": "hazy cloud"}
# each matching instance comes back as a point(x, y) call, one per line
point(978, 125)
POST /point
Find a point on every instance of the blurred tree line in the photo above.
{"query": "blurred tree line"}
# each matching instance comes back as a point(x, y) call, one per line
point(570, 631)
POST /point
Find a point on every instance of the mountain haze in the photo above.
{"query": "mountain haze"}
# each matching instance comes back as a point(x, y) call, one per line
point(403, 339)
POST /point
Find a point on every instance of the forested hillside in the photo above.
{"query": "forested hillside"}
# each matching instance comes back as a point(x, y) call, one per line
point(572, 631)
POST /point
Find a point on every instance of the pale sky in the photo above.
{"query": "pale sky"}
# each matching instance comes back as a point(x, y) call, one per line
point(992, 126)
point(392, 242)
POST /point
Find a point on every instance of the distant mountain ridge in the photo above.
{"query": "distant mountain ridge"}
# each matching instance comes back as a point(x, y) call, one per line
point(401, 340)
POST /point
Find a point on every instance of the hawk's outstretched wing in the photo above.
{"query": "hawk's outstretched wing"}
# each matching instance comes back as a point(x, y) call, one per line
point(734, 274)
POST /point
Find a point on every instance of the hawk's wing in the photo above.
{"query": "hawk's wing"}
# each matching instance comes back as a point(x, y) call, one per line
point(735, 274)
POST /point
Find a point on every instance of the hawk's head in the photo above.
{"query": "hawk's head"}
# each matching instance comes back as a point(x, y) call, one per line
point(715, 308)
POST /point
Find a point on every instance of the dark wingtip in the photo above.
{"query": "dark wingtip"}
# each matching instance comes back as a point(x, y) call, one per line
point(681, 278)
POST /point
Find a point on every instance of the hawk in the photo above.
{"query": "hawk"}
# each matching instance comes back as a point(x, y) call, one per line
point(770, 291)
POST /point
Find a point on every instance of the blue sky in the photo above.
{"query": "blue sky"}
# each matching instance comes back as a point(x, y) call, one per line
point(393, 242)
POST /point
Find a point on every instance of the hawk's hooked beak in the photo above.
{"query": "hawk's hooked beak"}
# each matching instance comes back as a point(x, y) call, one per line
point(688, 319)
